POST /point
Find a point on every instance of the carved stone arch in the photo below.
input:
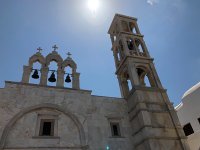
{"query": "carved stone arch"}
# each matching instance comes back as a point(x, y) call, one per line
point(132, 26)
point(69, 62)
point(144, 71)
point(37, 58)
point(139, 42)
point(20, 114)
point(130, 43)
point(54, 56)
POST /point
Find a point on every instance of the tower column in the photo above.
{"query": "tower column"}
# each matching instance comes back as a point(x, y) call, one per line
point(44, 75)
point(26, 74)
point(75, 80)
point(60, 78)
point(158, 82)
point(133, 74)
point(124, 86)
point(125, 46)
point(115, 57)
point(145, 49)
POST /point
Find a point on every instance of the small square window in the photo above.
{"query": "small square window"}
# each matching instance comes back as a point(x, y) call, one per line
point(188, 129)
point(46, 127)
point(115, 129)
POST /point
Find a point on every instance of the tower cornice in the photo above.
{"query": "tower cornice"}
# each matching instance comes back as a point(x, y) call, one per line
point(137, 59)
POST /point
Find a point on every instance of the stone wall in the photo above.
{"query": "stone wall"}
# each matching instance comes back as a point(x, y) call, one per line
point(82, 121)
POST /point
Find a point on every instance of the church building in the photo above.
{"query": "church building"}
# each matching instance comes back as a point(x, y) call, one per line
point(43, 117)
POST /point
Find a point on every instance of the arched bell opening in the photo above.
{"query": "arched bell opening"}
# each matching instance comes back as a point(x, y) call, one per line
point(128, 81)
point(118, 54)
point(36, 58)
point(140, 47)
point(71, 77)
point(35, 75)
point(145, 77)
point(52, 73)
point(133, 28)
point(114, 38)
point(146, 81)
point(131, 46)
point(68, 77)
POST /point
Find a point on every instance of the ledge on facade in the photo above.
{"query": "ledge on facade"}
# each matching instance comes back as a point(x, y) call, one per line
point(46, 86)
point(123, 61)
point(109, 97)
point(191, 90)
point(144, 88)
point(130, 33)
point(52, 147)
point(179, 106)
point(46, 137)
point(149, 89)
point(117, 137)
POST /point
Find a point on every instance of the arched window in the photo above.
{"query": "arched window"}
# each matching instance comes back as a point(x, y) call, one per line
point(132, 28)
point(128, 81)
point(114, 37)
point(36, 73)
point(145, 77)
point(118, 56)
point(129, 85)
point(146, 81)
point(140, 47)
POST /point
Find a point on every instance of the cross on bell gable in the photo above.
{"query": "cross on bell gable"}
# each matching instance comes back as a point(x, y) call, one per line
point(55, 47)
point(69, 54)
point(39, 49)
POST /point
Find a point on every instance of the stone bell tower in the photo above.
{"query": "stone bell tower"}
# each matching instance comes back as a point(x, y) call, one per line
point(153, 118)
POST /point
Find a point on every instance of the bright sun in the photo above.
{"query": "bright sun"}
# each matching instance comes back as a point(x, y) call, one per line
point(93, 5)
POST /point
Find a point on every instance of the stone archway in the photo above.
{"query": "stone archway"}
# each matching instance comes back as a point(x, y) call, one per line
point(20, 114)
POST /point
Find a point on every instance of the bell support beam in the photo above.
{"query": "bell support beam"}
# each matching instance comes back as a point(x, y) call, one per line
point(44, 74)
point(75, 80)
point(60, 78)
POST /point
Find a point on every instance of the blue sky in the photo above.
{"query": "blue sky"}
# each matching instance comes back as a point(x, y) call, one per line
point(170, 27)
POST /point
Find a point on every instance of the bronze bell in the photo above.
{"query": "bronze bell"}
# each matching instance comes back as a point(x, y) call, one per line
point(52, 78)
point(35, 75)
point(68, 80)
point(130, 45)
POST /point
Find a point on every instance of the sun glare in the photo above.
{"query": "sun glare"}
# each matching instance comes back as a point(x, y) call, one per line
point(93, 5)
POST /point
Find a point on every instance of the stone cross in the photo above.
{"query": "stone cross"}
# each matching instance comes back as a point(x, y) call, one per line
point(69, 54)
point(54, 48)
point(39, 49)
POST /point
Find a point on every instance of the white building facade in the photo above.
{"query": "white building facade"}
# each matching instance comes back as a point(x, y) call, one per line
point(188, 112)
